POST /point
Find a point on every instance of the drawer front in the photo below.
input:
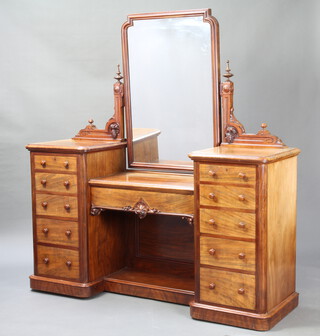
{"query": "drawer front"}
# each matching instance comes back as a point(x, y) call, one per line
point(53, 261)
point(56, 205)
point(228, 196)
point(55, 162)
point(164, 202)
point(57, 232)
point(65, 183)
point(227, 253)
point(227, 288)
point(228, 223)
point(230, 174)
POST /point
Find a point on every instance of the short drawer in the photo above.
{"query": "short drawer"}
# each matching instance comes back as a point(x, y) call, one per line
point(56, 205)
point(227, 288)
point(225, 173)
point(227, 253)
point(57, 262)
point(56, 182)
point(56, 231)
point(55, 162)
point(228, 223)
point(228, 196)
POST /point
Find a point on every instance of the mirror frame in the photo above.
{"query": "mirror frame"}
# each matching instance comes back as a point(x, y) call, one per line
point(215, 62)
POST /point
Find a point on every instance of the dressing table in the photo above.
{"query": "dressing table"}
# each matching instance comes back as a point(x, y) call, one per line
point(125, 210)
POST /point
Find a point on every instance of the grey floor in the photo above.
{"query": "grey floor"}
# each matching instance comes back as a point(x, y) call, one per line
point(25, 312)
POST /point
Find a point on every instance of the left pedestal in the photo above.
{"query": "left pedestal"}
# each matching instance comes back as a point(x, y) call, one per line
point(60, 171)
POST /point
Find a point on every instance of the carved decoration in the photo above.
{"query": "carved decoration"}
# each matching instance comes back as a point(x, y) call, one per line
point(96, 211)
point(189, 219)
point(114, 128)
point(233, 130)
point(141, 208)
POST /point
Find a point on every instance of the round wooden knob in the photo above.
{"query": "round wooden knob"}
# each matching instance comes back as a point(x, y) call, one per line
point(212, 222)
point(212, 173)
point(45, 230)
point(46, 260)
point(68, 233)
point(241, 291)
point(212, 286)
point(242, 198)
point(44, 204)
point(242, 176)
point(43, 163)
point(44, 182)
point(242, 255)
point(66, 164)
point(68, 263)
point(212, 196)
point(242, 225)
point(67, 207)
point(66, 184)
point(212, 251)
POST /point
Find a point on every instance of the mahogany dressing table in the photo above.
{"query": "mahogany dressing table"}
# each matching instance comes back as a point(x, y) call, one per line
point(216, 233)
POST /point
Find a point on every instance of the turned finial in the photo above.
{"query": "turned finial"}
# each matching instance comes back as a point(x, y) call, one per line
point(264, 126)
point(228, 74)
point(118, 77)
point(90, 121)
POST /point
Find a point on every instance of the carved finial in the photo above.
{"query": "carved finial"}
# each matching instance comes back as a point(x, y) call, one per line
point(118, 77)
point(228, 74)
point(264, 126)
point(90, 121)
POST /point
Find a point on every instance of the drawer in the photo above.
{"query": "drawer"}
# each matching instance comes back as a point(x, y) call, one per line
point(228, 196)
point(227, 253)
point(56, 205)
point(56, 182)
point(57, 232)
point(55, 162)
point(57, 262)
point(230, 174)
point(227, 288)
point(163, 201)
point(228, 223)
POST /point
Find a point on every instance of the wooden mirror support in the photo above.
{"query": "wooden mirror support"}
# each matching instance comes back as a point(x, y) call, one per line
point(233, 132)
point(114, 129)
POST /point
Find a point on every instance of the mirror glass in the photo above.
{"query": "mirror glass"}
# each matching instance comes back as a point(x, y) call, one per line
point(171, 89)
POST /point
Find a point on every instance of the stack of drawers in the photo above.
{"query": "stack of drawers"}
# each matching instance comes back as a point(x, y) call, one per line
point(227, 233)
point(56, 228)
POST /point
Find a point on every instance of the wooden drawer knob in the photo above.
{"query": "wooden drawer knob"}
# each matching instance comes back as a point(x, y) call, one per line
point(242, 225)
point(243, 176)
point(44, 204)
point(67, 207)
point(45, 230)
point(212, 286)
point(212, 173)
point(212, 196)
point(242, 198)
point(68, 263)
point(46, 260)
point(212, 222)
point(68, 233)
point(44, 182)
point(212, 251)
point(43, 163)
point(66, 164)
point(242, 255)
point(66, 184)
point(241, 291)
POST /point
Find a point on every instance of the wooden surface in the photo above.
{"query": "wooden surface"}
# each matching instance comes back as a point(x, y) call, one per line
point(228, 223)
point(57, 259)
point(55, 163)
point(55, 231)
point(233, 254)
point(57, 183)
point(228, 196)
point(282, 193)
point(56, 205)
point(222, 287)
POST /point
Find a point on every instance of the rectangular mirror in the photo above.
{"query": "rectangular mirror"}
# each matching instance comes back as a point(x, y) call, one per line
point(171, 78)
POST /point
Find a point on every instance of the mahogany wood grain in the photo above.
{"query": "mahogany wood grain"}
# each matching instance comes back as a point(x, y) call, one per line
point(227, 288)
point(53, 261)
point(282, 196)
point(55, 162)
point(57, 205)
point(56, 231)
point(228, 223)
point(227, 253)
point(228, 196)
point(49, 182)
point(228, 173)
